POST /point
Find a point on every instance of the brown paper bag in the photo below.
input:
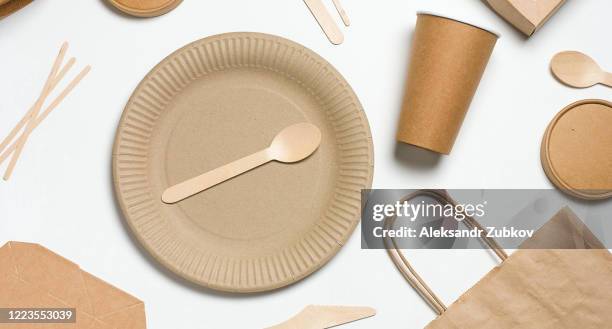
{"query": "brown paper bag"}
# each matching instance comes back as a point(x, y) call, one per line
point(535, 288)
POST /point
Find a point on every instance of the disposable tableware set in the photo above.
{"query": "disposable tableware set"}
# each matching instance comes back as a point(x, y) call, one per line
point(299, 130)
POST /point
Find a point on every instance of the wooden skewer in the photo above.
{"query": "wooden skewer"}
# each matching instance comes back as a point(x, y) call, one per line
point(30, 126)
point(345, 19)
point(28, 115)
point(49, 109)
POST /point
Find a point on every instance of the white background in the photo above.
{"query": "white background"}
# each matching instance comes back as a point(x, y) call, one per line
point(61, 194)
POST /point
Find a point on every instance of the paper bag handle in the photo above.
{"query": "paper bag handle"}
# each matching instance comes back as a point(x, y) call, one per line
point(408, 271)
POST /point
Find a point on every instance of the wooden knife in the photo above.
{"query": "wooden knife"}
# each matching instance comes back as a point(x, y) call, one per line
point(322, 317)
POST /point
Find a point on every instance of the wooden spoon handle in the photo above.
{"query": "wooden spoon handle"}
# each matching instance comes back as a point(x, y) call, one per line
point(607, 79)
point(207, 180)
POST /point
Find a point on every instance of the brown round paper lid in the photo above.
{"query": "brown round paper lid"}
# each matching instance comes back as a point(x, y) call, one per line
point(576, 151)
point(145, 8)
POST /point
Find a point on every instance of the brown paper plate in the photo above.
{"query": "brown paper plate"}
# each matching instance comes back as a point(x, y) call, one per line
point(212, 102)
point(576, 150)
point(145, 8)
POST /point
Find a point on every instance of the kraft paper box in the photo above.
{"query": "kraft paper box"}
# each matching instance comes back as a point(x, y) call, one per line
point(32, 276)
point(528, 16)
point(8, 7)
point(448, 59)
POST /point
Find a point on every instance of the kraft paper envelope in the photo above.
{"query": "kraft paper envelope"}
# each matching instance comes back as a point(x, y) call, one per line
point(32, 276)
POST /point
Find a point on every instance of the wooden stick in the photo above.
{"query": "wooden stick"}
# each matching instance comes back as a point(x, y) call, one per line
point(49, 109)
point(326, 22)
point(28, 115)
point(345, 19)
point(24, 137)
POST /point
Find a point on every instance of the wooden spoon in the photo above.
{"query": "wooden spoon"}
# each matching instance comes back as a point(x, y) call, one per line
point(578, 70)
point(292, 144)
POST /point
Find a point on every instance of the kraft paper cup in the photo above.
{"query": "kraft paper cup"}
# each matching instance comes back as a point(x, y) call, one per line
point(447, 62)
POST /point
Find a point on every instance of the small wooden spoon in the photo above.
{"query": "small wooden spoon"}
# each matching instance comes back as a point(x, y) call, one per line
point(292, 144)
point(578, 70)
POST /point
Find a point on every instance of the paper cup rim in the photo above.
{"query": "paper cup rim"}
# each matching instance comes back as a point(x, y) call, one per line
point(429, 13)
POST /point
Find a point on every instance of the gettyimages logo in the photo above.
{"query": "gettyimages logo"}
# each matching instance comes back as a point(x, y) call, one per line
point(440, 216)
point(411, 211)
point(461, 219)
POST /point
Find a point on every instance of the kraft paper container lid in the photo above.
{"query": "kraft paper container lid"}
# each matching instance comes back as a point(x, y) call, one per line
point(32, 276)
point(576, 151)
point(145, 8)
point(448, 59)
point(8, 7)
